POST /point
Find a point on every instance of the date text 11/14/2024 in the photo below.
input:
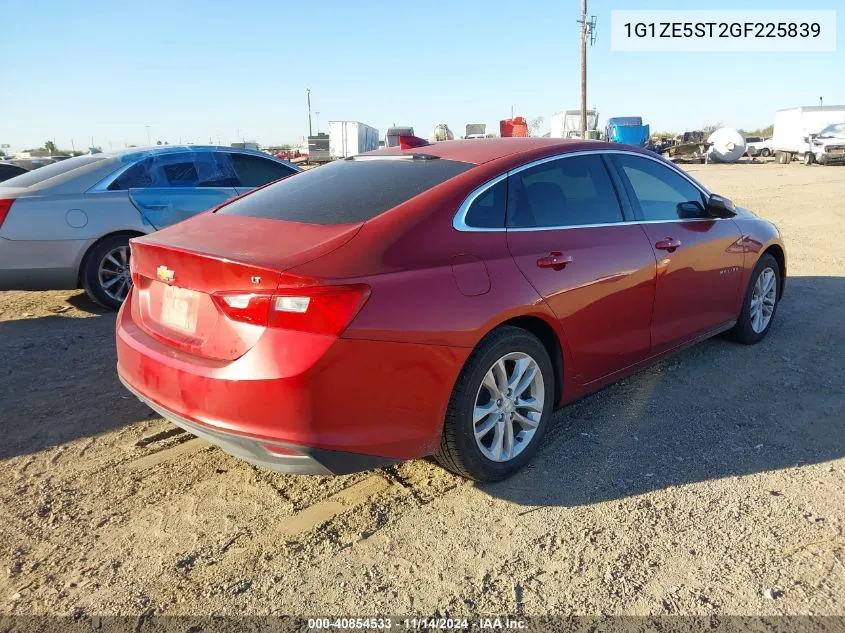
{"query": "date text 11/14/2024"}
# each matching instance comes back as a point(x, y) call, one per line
point(418, 624)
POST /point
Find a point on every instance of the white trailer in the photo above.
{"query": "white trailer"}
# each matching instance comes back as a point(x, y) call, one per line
point(794, 125)
point(347, 138)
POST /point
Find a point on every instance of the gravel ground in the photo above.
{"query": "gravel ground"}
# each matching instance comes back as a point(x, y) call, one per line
point(712, 482)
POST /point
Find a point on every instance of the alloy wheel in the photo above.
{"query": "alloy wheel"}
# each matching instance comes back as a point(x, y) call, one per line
point(114, 275)
point(763, 300)
point(508, 407)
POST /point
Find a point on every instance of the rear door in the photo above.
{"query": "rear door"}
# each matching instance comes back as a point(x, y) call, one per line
point(568, 234)
point(169, 187)
point(255, 171)
point(699, 265)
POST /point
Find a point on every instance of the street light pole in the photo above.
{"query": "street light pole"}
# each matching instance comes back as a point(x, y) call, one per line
point(584, 68)
point(148, 134)
point(317, 115)
point(308, 93)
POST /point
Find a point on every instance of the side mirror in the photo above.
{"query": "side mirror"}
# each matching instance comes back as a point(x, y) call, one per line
point(691, 210)
point(720, 207)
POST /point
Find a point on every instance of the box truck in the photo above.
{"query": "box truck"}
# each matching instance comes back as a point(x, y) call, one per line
point(793, 127)
point(347, 138)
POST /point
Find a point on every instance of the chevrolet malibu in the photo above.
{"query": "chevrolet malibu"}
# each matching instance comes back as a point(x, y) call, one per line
point(435, 299)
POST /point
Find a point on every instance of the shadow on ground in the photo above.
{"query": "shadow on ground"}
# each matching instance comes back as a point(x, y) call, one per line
point(715, 410)
point(58, 383)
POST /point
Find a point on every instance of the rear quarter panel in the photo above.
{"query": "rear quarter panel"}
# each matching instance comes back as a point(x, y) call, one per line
point(72, 217)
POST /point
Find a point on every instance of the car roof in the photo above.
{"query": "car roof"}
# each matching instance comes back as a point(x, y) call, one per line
point(483, 150)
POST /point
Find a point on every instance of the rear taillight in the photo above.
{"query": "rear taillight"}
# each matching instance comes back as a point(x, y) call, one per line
point(5, 205)
point(133, 267)
point(304, 308)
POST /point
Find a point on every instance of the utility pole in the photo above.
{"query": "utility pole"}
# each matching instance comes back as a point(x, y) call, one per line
point(308, 93)
point(584, 28)
point(317, 115)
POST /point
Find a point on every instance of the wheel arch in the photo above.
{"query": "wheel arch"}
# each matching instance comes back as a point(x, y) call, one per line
point(80, 271)
point(776, 251)
point(544, 331)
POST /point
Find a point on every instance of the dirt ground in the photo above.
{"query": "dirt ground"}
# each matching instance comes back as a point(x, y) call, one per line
point(713, 482)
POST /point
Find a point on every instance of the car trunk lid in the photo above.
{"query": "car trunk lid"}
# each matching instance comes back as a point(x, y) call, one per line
point(178, 271)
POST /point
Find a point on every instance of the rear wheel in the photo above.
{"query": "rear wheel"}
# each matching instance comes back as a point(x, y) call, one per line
point(759, 304)
point(500, 407)
point(105, 275)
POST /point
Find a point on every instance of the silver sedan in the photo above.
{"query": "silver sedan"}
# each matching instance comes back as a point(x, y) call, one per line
point(68, 225)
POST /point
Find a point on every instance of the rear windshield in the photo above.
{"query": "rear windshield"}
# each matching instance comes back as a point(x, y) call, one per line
point(346, 191)
point(41, 174)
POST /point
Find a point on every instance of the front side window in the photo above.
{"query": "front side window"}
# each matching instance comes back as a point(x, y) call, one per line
point(659, 191)
point(570, 191)
point(254, 171)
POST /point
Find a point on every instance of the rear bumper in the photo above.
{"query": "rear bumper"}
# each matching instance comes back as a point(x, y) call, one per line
point(309, 461)
point(345, 404)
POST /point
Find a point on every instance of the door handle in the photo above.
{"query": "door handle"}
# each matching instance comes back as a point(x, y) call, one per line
point(668, 244)
point(554, 260)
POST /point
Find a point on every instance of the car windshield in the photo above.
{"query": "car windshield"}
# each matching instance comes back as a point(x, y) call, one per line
point(51, 171)
point(837, 129)
point(347, 191)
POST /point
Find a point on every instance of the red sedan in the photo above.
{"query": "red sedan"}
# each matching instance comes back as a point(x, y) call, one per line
point(438, 300)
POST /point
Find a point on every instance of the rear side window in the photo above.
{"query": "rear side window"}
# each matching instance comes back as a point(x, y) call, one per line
point(254, 171)
point(487, 211)
point(346, 191)
point(572, 191)
point(177, 169)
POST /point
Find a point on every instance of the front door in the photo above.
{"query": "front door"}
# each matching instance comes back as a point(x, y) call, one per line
point(567, 233)
point(699, 266)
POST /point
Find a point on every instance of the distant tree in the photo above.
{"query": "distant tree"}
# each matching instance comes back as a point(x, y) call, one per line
point(711, 127)
point(765, 132)
point(50, 146)
point(535, 125)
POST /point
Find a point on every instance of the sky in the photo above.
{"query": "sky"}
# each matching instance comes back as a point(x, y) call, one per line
point(207, 71)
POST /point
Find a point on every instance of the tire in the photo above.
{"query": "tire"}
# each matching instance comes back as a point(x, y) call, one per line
point(779, 158)
point(745, 331)
point(765, 152)
point(459, 450)
point(104, 254)
point(809, 159)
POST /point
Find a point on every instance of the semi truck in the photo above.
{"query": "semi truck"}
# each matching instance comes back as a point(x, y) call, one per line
point(627, 129)
point(567, 124)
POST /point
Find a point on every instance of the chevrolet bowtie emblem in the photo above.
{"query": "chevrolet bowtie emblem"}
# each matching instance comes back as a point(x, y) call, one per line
point(165, 274)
